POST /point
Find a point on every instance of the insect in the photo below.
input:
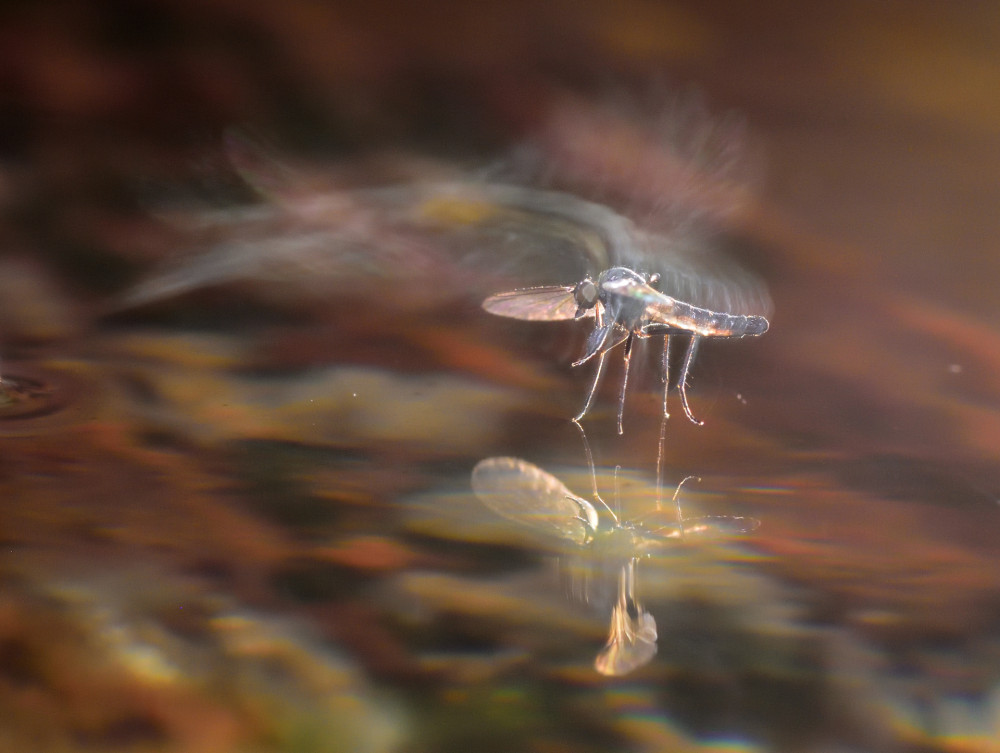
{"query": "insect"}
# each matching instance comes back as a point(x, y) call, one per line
point(524, 493)
point(626, 306)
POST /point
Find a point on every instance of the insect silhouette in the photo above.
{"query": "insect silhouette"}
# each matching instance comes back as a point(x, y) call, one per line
point(526, 494)
point(626, 306)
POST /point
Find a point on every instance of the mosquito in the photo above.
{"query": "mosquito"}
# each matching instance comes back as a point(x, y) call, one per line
point(626, 306)
point(529, 496)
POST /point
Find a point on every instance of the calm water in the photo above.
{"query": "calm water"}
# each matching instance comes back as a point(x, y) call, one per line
point(257, 528)
point(238, 514)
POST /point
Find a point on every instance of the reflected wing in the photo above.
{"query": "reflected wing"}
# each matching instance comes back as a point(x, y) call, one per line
point(707, 528)
point(716, 526)
point(545, 303)
point(524, 493)
point(631, 644)
point(702, 528)
point(632, 638)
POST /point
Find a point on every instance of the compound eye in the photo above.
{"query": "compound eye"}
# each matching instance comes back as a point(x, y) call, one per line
point(585, 294)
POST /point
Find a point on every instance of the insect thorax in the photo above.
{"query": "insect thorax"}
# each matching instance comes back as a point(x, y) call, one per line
point(627, 311)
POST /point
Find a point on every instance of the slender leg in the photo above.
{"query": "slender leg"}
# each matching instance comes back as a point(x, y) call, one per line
point(618, 497)
point(593, 470)
point(621, 400)
point(596, 343)
point(597, 375)
point(666, 373)
point(601, 340)
point(593, 385)
point(682, 381)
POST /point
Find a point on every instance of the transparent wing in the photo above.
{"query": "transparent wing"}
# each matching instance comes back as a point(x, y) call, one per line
point(546, 303)
point(519, 491)
point(717, 526)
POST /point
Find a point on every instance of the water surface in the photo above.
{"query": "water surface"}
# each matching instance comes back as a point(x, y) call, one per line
point(240, 518)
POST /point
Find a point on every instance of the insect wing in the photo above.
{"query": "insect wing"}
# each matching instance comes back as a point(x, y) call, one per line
point(519, 491)
point(546, 303)
point(719, 526)
point(694, 271)
point(650, 536)
point(631, 642)
point(632, 637)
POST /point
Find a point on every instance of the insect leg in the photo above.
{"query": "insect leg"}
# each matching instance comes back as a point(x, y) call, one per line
point(628, 359)
point(666, 373)
point(682, 381)
point(593, 470)
point(601, 339)
point(659, 463)
point(593, 385)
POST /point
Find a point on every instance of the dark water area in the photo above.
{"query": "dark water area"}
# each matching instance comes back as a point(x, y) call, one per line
point(244, 385)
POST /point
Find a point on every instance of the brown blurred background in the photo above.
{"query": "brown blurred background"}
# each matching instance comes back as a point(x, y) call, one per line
point(870, 421)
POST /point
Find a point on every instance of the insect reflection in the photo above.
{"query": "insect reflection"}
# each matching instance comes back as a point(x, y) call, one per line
point(524, 493)
point(626, 306)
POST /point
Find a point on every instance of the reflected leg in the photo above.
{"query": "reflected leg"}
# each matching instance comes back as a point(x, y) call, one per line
point(677, 502)
point(659, 462)
point(593, 470)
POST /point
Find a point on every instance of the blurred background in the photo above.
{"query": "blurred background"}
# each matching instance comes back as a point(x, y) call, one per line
point(235, 511)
